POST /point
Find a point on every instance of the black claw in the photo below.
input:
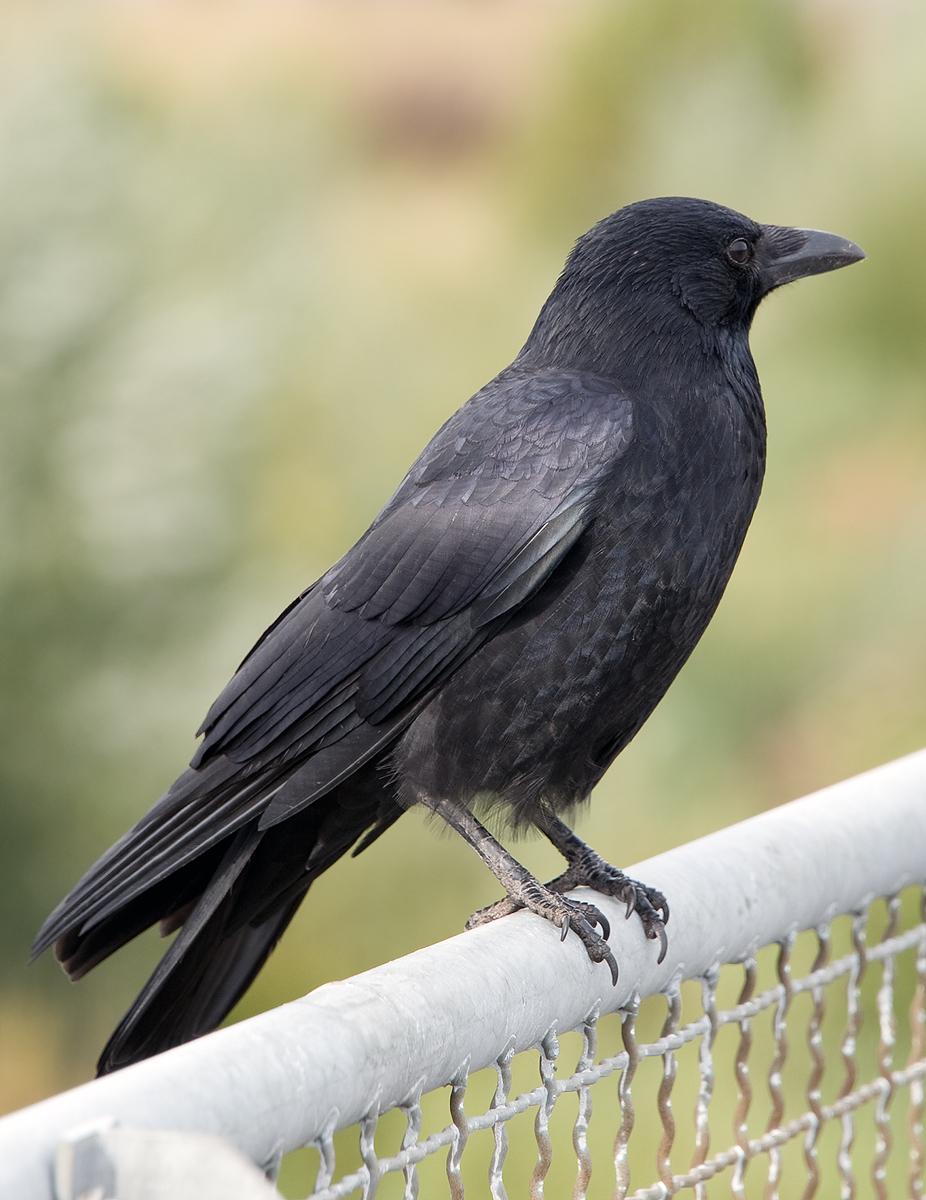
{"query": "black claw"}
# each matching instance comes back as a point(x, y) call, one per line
point(612, 964)
point(664, 942)
point(631, 905)
point(602, 920)
point(564, 928)
point(664, 909)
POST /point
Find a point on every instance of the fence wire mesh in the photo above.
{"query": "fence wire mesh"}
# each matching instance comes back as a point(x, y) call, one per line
point(802, 1097)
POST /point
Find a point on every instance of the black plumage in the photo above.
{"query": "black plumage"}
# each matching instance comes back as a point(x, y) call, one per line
point(496, 637)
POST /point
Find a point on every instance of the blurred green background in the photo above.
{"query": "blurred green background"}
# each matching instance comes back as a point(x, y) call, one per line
point(253, 253)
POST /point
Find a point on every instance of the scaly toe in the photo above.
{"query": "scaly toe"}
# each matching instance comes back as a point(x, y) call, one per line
point(501, 908)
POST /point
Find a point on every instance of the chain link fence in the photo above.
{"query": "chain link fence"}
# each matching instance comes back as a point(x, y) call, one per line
point(854, 1082)
point(778, 1051)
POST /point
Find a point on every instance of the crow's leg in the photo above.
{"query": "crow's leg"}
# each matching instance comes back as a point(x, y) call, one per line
point(588, 869)
point(524, 891)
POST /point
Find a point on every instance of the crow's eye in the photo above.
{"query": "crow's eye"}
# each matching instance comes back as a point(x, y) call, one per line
point(739, 251)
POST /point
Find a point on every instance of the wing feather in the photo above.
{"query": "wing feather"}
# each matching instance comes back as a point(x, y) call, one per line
point(493, 504)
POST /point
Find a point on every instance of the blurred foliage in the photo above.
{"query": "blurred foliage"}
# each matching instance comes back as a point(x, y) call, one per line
point(251, 255)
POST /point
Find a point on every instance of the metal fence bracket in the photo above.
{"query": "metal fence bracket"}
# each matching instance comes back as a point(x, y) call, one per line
point(104, 1162)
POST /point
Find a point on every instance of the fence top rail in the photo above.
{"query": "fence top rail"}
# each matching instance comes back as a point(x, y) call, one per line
point(287, 1077)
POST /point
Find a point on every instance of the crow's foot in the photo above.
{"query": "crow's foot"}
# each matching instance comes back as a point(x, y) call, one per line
point(567, 915)
point(588, 869)
point(524, 891)
point(501, 908)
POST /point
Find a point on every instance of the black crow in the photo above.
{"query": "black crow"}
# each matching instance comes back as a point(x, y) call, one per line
point(495, 638)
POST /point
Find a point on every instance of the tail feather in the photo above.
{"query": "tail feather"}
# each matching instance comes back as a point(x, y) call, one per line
point(248, 889)
point(79, 949)
point(170, 836)
point(204, 972)
point(201, 986)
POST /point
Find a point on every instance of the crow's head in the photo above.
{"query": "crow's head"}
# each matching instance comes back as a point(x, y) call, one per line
point(659, 267)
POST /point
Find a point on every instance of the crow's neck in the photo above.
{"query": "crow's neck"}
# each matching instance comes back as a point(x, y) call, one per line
point(636, 344)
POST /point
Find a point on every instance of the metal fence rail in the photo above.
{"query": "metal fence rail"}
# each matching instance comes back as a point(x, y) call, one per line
point(354, 1050)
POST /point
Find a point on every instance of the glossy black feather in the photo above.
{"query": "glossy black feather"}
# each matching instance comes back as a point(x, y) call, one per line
point(489, 501)
point(500, 632)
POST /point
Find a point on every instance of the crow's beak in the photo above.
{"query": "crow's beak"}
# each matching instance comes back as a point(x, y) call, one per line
point(784, 254)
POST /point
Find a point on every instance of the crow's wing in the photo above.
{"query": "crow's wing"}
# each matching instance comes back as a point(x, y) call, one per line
point(492, 505)
point(504, 466)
